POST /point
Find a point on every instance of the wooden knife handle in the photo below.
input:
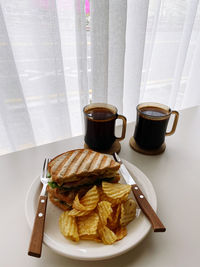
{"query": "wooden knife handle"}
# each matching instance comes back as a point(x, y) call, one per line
point(147, 209)
point(35, 246)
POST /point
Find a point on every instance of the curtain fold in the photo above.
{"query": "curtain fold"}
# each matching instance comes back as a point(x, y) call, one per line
point(72, 25)
point(81, 40)
point(137, 14)
point(150, 47)
point(99, 50)
point(13, 107)
point(192, 92)
point(60, 78)
point(116, 49)
point(183, 49)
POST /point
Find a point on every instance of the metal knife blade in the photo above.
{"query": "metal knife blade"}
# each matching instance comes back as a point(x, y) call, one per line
point(123, 170)
point(140, 198)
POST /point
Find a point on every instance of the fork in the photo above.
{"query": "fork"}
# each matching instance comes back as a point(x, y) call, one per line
point(35, 246)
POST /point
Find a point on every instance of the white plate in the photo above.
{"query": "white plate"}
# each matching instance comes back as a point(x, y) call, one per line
point(88, 250)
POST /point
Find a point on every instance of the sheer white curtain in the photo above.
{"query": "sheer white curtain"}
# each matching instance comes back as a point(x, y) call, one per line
point(171, 66)
point(145, 51)
point(54, 61)
point(43, 78)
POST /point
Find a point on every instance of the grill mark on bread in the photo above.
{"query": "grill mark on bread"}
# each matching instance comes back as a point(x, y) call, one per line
point(57, 162)
point(72, 170)
point(105, 162)
point(67, 162)
point(96, 162)
point(84, 167)
point(60, 166)
point(92, 163)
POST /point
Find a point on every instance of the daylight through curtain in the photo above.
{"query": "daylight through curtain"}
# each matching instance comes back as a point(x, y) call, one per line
point(57, 56)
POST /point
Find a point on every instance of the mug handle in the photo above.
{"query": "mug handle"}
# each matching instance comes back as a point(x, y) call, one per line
point(123, 127)
point(175, 122)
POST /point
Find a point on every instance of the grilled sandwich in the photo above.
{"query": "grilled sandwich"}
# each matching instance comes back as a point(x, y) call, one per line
point(75, 172)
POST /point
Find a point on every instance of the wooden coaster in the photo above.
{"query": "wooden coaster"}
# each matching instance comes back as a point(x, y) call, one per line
point(158, 151)
point(116, 147)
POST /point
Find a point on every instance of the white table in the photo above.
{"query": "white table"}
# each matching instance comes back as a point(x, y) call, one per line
point(175, 176)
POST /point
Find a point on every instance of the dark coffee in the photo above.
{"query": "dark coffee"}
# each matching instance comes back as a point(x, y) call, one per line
point(100, 114)
point(99, 128)
point(151, 126)
point(153, 112)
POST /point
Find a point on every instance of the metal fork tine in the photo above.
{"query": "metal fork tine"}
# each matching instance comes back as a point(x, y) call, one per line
point(45, 170)
point(45, 174)
point(47, 167)
point(44, 167)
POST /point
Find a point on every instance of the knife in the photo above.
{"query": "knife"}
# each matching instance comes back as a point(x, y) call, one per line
point(141, 199)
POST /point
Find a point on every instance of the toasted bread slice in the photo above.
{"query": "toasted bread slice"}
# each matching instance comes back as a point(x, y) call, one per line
point(60, 204)
point(73, 165)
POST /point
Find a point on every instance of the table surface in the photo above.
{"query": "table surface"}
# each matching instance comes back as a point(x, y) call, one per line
point(174, 175)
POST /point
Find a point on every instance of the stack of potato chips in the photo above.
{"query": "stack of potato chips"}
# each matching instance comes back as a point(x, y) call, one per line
point(100, 215)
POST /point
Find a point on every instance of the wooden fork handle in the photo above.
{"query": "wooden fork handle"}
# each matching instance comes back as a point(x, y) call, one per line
point(35, 247)
point(147, 209)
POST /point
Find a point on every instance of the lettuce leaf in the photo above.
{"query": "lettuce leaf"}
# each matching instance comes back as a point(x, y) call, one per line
point(53, 185)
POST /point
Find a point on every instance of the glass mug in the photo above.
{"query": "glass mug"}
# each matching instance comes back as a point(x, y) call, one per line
point(100, 121)
point(151, 125)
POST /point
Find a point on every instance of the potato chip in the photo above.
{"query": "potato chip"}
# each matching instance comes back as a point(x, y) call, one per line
point(78, 213)
point(123, 199)
point(107, 236)
point(87, 225)
point(92, 194)
point(104, 211)
point(128, 212)
point(113, 222)
point(116, 191)
point(103, 196)
point(61, 222)
point(121, 233)
point(77, 205)
point(68, 226)
point(114, 202)
point(88, 201)
point(100, 215)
